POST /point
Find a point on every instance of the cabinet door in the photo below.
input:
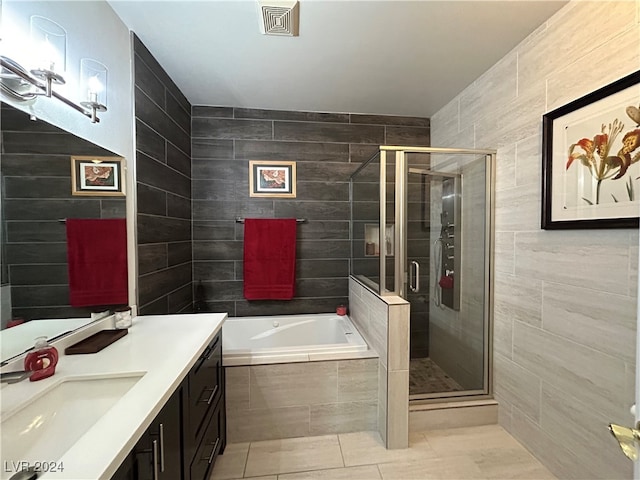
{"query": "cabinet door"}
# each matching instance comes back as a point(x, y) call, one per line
point(204, 389)
point(210, 446)
point(205, 386)
point(166, 429)
point(158, 454)
point(127, 469)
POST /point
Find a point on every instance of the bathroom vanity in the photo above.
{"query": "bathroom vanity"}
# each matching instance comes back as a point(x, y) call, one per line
point(149, 406)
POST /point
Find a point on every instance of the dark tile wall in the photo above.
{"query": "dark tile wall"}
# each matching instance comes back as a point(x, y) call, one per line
point(36, 196)
point(327, 147)
point(163, 169)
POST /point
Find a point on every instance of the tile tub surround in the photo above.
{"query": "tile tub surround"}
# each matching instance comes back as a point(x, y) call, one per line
point(327, 147)
point(471, 453)
point(557, 294)
point(384, 323)
point(163, 188)
point(301, 399)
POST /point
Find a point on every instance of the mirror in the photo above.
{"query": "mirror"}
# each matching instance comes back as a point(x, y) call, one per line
point(35, 171)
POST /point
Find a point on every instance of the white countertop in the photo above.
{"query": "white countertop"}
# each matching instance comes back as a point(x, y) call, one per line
point(165, 347)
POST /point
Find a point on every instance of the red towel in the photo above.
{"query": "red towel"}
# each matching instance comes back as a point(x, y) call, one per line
point(97, 256)
point(269, 258)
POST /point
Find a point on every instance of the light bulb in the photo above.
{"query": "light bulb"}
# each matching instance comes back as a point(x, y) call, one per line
point(49, 55)
point(95, 87)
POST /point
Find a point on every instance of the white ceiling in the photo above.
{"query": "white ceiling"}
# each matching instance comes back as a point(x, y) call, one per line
point(381, 57)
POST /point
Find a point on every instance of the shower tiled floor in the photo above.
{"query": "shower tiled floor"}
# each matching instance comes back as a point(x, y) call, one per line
point(472, 453)
point(427, 377)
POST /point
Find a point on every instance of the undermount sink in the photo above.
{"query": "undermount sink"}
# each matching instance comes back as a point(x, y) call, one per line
point(44, 429)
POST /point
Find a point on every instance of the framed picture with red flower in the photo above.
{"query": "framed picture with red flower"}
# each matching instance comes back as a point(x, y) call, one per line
point(272, 179)
point(591, 159)
point(97, 176)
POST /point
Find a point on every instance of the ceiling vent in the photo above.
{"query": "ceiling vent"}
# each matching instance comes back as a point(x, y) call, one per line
point(279, 17)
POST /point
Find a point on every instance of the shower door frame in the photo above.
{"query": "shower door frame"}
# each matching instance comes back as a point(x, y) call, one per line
point(400, 250)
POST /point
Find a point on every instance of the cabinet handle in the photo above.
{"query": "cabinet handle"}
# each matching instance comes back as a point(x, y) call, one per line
point(206, 354)
point(155, 460)
point(213, 394)
point(209, 353)
point(162, 447)
point(209, 459)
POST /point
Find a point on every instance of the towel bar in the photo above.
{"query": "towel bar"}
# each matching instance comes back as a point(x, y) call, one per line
point(299, 220)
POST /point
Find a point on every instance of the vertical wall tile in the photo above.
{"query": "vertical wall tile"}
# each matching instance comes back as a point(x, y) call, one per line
point(561, 90)
point(574, 287)
point(506, 167)
point(581, 371)
point(267, 424)
point(575, 259)
point(398, 340)
point(326, 152)
point(237, 385)
point(518, 208)
point(529, 160)
point(494, 89)
point(538, 58)
point(358, 380)
point(587, 317)
point(517, 386)
point(552, 453)
point(383, 388)
point(558, 407)
point(397, 410)
point(163, 168)
point(505, 252)
point(290, 384)
point(445, 122)
point(518, 298)
point(343, 417)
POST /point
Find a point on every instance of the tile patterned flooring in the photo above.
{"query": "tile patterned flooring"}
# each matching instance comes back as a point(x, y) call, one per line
point(486, 452)
point(427, 377)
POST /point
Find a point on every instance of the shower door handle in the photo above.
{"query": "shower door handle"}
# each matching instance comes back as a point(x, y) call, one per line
point(414, 284)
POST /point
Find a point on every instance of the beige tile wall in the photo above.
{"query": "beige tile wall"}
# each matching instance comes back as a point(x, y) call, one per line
point(384, 323)
point(565, 301)
point(267, 402)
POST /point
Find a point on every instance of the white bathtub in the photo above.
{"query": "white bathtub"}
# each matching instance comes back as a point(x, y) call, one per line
point(291, 338)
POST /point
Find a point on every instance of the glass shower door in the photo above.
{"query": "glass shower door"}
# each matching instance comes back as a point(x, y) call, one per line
point(447, 235)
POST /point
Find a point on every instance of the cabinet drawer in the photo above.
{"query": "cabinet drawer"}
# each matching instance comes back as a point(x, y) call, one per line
point(210, 446)
point(205, 386)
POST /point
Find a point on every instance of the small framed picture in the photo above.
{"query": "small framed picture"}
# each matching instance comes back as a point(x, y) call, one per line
point(97, 176)
point(272, 179)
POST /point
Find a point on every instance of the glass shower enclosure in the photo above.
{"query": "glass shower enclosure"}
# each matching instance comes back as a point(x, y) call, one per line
point(422, 229)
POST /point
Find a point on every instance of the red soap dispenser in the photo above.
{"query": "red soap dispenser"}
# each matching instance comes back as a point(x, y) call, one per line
point(42, 361)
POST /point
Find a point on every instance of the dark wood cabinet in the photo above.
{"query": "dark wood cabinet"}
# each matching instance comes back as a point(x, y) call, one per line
point(204, 423)
point(188, 434)
point(158, 454)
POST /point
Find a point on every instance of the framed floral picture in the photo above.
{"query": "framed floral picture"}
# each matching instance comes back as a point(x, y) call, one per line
point(97, 176)
point(272, 179)
point(591, 159)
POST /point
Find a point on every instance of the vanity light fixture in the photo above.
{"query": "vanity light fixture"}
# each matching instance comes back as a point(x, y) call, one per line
point(49, 41)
